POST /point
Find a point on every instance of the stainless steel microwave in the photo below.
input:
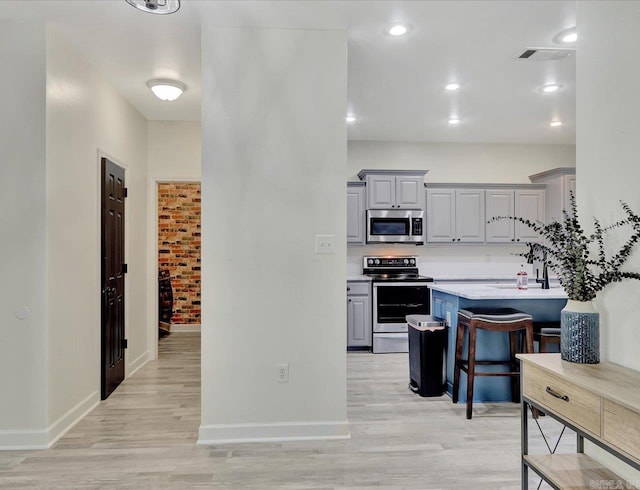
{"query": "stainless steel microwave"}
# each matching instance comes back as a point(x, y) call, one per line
point(395, 226)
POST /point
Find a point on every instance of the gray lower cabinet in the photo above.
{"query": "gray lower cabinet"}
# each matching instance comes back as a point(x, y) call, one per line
point(359, 333)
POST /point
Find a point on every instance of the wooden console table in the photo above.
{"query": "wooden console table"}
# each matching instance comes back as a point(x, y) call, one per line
point(600, 402)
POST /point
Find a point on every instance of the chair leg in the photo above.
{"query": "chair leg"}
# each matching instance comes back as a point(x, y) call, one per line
point(472, 368)
point(515, 380)
point(457, 362)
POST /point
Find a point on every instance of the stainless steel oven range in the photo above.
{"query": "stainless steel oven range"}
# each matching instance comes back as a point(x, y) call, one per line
point(398, 291)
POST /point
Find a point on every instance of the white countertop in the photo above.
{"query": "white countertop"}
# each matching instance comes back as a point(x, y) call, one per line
point(499, 291)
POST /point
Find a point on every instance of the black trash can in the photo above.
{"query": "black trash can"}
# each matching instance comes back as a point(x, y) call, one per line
point(427, 342)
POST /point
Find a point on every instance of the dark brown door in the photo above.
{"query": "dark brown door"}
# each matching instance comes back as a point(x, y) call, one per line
point(113, 269)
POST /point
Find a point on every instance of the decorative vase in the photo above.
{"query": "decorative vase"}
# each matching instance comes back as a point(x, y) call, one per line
point(580, 332)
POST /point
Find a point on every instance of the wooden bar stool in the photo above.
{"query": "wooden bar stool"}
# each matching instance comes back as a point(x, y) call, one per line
point(549, 335)
point(497, 320)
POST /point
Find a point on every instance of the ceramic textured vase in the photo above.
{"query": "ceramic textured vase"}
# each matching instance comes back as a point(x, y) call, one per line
point(580, 332)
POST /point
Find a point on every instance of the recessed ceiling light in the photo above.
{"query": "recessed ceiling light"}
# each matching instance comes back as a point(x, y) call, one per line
point(452, 86)
point(552, 87)
point(398, 30)
point(454, 120)
point(555, 124)
point(166, 89)
point(566, 36)
point(350, 118)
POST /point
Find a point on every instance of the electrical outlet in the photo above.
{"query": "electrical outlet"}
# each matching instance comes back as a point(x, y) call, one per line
point(283, 373)
point(325, 244)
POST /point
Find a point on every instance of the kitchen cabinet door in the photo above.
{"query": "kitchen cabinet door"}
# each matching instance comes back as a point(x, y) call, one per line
point(500, 203)
point(470, 220)
point(569, 187)
point(529, 204)
point(359, 332)
point(381, 191)
point(409, 192)
point(355, 215)
point(441, 215)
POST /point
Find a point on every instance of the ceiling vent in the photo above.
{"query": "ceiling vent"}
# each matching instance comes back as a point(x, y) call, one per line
point(546, 54)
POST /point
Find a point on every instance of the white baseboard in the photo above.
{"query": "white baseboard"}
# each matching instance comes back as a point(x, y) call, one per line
point(44, 439)
point(186, 327)
point(137, 363)
point(18, 440)
point(61, 426)
point(285, 431)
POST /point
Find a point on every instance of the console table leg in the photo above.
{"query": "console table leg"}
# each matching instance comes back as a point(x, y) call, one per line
point(580, 444)
point(524, 442)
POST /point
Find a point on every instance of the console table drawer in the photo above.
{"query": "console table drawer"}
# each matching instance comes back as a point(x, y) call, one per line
point(621, 427)
point(564, 398)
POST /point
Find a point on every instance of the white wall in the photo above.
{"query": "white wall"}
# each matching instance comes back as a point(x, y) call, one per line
point(174, 150)
point(84, 115)
point(608, 156)
point(273, 176)
point(456, 163)
point(23, 244)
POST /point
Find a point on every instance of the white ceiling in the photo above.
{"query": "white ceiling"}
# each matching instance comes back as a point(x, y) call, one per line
point(396, 85)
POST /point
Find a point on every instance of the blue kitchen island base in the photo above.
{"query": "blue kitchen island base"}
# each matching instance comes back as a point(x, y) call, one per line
point(446, 300)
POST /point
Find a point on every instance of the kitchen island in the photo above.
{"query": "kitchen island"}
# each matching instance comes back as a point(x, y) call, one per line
point(446, 299)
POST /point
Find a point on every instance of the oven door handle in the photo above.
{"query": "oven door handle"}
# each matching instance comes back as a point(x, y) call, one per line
point(393, 305)
point(414, 305)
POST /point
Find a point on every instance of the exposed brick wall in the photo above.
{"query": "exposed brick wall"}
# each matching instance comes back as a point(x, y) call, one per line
point(179, 246)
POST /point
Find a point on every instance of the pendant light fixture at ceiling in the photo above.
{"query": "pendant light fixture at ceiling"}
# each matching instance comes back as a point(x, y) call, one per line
point(156, 6)
point(166, 89)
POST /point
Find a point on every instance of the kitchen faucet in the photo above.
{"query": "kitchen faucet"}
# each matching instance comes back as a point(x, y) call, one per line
point(545, 270)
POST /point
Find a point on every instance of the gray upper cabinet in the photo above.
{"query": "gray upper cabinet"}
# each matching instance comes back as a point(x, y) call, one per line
point(529, 204)
point(526, 203)
point(394, 189)
point(560, 183)
point(500, 202)
point(355, 213)
point(455, 215)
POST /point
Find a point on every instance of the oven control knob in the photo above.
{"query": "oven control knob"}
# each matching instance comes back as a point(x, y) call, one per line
point(413, 261)
point(370, 262)
point(377, 261)
point(406, 261)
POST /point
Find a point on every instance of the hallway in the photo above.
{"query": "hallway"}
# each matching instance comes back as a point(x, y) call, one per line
point(144, 437)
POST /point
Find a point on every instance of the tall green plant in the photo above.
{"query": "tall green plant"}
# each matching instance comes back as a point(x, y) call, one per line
point(580, 260)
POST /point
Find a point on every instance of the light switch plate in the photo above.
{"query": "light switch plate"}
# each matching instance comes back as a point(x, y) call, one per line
point(325, 244)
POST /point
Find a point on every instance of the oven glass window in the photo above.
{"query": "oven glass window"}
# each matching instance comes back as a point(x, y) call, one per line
point(396, 302)
point(389, 226)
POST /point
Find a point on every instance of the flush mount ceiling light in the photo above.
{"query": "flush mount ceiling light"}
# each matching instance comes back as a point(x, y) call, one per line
point(452, 86)
point(350, 118)
point(166, 89)
point(566, 36)
point(156, 6)
point(555, 124)
point(454, 121)
point(550, 88)
point(398, 30)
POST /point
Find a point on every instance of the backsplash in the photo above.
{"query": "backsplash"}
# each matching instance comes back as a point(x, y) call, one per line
point(179, 247)
point(449, 262)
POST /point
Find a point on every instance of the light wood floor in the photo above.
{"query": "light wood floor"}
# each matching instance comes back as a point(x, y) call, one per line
point(144, 437)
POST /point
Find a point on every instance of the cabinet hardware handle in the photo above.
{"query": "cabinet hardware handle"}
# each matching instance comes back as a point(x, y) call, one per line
point(349, 301)
point(556, 394)
point(348, 289)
